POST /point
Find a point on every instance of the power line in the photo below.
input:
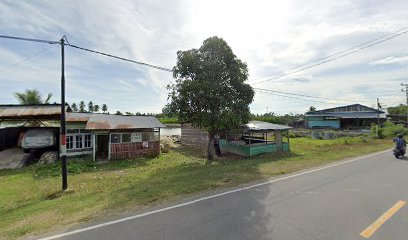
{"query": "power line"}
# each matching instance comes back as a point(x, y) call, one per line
point(303, 99)
point(120, 58)
point(303, 95)
point(29, 39)
point(283, 74)
point(86, 49)
point(23, 60)
point(336, 53)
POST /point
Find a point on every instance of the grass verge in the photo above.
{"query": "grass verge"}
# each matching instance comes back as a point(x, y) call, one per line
point(32, 203)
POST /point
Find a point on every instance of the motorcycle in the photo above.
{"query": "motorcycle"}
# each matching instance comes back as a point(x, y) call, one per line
point(398, 152)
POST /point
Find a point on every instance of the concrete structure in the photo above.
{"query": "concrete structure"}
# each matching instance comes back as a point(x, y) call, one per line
point(351, 116)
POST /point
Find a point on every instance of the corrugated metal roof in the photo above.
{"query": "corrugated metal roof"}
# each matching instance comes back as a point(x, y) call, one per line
point(43, 111)
point(77, 117)
point(259, 125)
point(353, 108)
point(105, 121)
point(348, 115)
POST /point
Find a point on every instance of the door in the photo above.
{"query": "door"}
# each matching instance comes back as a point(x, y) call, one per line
point(102, 147)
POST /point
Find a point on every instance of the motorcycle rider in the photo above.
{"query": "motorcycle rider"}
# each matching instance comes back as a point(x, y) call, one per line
point(400, 144)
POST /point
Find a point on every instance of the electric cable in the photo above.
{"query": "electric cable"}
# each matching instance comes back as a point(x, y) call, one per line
point(24, 59)
point(29, 39)
point(120, 58)
point(303, 95)
point(283, 74)
point(309, 100)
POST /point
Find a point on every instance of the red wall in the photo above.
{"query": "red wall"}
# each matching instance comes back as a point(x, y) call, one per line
point(134, 150)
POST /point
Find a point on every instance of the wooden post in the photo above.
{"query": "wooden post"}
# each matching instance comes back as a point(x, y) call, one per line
point(288, 141)
point(278, 140)
point(94, 146)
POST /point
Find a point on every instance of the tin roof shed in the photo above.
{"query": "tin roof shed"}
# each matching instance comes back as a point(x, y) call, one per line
point(105, 121)
point(263, 126)
point(30, 112)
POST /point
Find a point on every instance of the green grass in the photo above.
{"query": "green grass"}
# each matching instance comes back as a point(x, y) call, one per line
point(32, 203)
point(167, 120)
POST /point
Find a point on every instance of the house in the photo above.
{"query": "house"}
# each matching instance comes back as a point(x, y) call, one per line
point(350, 116)
point(102, 136)
point(112, 137)
point(254, 138)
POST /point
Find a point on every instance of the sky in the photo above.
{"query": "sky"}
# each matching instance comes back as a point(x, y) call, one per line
point(270, 36)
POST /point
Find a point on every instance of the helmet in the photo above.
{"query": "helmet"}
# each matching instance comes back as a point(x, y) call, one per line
point(400, 135)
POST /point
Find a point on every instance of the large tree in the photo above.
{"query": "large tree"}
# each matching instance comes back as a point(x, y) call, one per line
point(210, 89)
point(32, 96)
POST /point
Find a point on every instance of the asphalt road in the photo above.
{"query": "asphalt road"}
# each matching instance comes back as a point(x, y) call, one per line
point(337, 202)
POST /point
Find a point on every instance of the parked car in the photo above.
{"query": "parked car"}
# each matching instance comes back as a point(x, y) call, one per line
point(39, 140)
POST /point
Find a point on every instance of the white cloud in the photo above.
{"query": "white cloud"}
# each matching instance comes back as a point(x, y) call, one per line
point(270, 36)
point(392, 60)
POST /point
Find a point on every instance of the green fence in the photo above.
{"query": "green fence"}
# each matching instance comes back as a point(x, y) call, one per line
point(251, 150)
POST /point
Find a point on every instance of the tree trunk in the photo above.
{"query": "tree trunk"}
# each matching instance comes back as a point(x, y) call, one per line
point(210, 148)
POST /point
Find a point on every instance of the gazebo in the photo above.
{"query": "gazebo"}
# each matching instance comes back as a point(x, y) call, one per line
point(255, 138)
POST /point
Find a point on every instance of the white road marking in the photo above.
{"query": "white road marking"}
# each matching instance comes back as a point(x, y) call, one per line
point(204, 198)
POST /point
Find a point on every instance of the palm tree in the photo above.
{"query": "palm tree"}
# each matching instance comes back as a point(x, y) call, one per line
point(90, 106)
point(82, 106)
point(96, 108)
point(32, 96)
point(104, 108)
point(74, 107)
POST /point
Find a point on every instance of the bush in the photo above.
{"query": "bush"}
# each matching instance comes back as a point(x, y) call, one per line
point(389, 130)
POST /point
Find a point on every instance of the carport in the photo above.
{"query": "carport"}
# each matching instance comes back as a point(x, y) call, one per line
point(15, 120)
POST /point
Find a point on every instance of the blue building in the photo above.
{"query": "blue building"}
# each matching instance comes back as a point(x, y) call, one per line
point(350, 116)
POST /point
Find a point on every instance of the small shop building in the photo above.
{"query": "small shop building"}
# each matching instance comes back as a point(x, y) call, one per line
point(112, 137)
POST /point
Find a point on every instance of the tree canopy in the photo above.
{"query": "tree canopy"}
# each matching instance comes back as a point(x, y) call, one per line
point(32, 96)
point(210, 89)
point(401, 109)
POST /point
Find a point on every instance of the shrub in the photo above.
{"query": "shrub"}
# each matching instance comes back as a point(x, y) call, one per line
point(389, 130)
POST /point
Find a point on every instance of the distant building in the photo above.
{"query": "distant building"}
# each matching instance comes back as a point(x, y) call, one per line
point(350, 116)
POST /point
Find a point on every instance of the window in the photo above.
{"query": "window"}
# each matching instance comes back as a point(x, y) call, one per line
point(88, 141)
point(134, 137)
point(70, 142)
point(126, 138)
point(78, 139)
point(115, 138)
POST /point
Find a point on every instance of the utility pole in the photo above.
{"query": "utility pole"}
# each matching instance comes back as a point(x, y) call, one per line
point(63, 137)
point(406, 93)
point(378, 117)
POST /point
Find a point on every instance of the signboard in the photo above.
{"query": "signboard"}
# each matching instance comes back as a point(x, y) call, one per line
point(136, 137)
